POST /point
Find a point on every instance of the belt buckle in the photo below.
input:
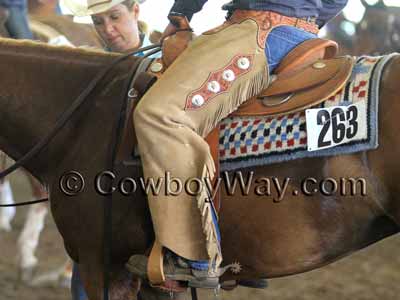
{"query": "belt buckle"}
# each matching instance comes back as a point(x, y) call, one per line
point(310, 20)
point(298, 22)
point(305, 23)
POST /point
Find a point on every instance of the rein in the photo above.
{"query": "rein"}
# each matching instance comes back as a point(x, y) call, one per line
point(66, 115)
point(139, 66)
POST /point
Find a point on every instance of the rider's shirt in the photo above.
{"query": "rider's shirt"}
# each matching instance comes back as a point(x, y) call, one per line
point(322, 10)
point(13, 3)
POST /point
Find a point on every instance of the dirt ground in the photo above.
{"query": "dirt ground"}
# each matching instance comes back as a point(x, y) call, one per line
point(370, 274)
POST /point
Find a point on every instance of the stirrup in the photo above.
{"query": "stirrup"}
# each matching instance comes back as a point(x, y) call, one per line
point(175, 271)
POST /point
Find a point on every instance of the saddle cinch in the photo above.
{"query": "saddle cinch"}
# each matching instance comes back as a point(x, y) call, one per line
point(307, 76)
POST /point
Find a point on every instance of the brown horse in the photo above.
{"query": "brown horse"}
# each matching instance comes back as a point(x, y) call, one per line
point(379, 31)
point(335, 32)
point(269, 239)
point(45, 25)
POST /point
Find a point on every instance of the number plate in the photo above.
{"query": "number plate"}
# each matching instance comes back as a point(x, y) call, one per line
point(332, 126)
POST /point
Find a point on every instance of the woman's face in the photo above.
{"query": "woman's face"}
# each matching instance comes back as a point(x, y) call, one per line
point(118, 27)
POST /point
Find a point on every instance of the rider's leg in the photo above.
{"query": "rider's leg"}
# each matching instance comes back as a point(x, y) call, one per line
point(173, 118)
point(177, 113)
point(281, 41)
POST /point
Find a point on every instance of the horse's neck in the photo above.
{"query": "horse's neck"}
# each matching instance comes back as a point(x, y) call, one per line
point(37, 84)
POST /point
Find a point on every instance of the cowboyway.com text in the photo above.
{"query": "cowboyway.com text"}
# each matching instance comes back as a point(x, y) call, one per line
point(233, 183)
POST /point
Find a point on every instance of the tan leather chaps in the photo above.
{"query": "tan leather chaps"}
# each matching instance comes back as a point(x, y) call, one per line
point(210, 79)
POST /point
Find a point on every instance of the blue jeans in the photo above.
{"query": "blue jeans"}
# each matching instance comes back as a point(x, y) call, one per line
point(77, 290)
point(58, 9)
point(281, 41)
point(17, 23)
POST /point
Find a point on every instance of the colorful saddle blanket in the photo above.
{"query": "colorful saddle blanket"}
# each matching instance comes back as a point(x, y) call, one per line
point(248, 142)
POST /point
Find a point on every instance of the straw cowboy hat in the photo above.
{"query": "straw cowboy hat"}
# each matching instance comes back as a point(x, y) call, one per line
point(82, 8)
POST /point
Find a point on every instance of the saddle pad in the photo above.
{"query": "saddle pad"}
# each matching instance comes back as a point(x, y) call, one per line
point(254, 141)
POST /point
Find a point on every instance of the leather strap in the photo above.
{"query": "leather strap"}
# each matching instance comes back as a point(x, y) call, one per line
point(3, 161)
point(179, 20)
point(143, 66)
point(306, 78)
point(269, 19)
point(155, 266)
point(174, 45)
point(213, 141)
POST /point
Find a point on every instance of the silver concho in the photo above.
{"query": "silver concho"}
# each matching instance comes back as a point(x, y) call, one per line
point(156, 67)
point(319, 65)
point(214, 86)
point(198, 100)
point(228, 75)
point(243, 63)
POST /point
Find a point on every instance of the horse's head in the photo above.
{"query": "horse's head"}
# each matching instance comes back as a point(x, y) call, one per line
point(379, 31)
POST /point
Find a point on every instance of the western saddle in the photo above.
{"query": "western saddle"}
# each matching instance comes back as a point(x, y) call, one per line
point(307, 76)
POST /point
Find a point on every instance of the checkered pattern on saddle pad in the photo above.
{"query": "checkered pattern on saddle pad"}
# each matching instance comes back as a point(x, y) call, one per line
point(254, 141)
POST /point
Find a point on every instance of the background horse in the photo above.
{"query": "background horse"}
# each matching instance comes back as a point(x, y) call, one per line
point(270, 240)
point(376, 34)
point(46, 25)
point(379, 31)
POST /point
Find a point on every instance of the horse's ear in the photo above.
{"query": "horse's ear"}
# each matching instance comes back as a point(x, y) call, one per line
point(365, 4)
point(379, 4)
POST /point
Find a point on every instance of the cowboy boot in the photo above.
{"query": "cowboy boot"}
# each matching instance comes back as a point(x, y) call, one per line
point(178, 269)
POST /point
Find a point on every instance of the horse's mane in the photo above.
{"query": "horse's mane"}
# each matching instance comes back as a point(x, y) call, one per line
point(40, 50)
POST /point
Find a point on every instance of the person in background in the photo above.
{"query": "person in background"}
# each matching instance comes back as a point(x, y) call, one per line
point(17, 22)
point(117, 23)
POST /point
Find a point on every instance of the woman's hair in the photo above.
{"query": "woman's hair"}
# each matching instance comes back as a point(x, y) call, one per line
point(129, 3)
point(143, 28)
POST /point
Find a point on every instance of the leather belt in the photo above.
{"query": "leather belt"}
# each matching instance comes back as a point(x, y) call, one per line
point(268, 19)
